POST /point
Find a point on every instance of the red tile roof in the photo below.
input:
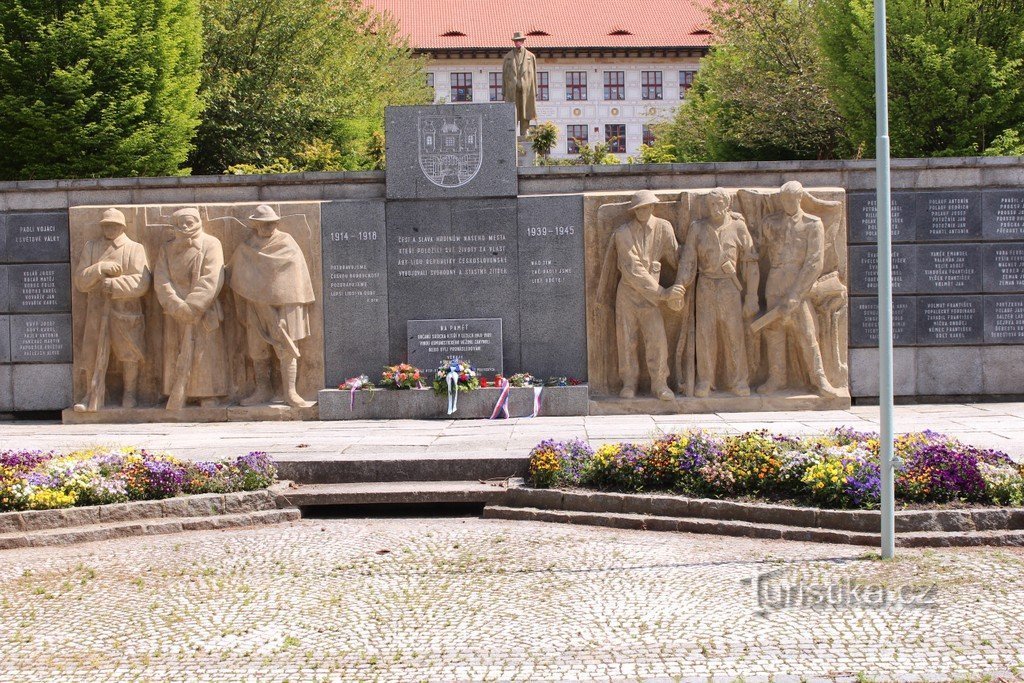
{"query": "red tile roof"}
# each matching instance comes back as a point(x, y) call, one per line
point(468, 24)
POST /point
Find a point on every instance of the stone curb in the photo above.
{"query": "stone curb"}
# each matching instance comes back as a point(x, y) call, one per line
point(423, 404)
point(859, 521)
point(200, 505)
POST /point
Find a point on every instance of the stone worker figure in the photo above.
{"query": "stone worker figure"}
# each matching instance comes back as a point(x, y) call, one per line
point(114, 273)
point(638, 249)
point(188, 277)
point(718, 250)
point(270, 274)
point(794, 241)
point(519, 82)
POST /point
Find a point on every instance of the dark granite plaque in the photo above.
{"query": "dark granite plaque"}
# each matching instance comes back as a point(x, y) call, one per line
point(948, 216)
point(43, 288)
point(864, 321)
point(1004, 319)
point(355, 289)
point(451, 150)
point(5, 339)
point(551, 285)
point(1003, 214)
point(950, 320)
point(41, 338)
point(949, 268)
point(1004, 267)
point(864, 269)
point(5, 297)
point(36, 238)
point(453, 259)
point(864, 217)
point(478, 340)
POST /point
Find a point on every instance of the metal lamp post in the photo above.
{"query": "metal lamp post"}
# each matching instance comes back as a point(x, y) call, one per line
point(884, 202)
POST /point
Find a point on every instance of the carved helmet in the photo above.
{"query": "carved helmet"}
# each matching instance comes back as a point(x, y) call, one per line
point(264, 214)
point(643, 198)
point(113, 217)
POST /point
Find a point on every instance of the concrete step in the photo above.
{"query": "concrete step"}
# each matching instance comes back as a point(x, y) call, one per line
point(461, 466)
point(391, 493)
point(145, 527)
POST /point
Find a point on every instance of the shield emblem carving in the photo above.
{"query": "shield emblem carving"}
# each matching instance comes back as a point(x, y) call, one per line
point(451, 148)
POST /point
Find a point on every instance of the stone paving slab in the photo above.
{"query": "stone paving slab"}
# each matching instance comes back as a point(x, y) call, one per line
point(468, 599)
point(988, 425)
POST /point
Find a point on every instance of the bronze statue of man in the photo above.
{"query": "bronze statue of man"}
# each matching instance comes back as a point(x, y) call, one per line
point(114, 273)
point(519, 82)
point(268, 271)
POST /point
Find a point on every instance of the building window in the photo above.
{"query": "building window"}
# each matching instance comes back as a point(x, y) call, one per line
point(576, 135)
point(648, 136)
point(685, 82)
point(575, 86)
point(494, 84)
point(615, 137)
point(462, 87)
point(615, 85)
point(430, 84)
point(650, 85)
point(543, 92)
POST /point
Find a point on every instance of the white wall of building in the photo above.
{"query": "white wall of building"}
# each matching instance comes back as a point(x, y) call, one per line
point(595, 112)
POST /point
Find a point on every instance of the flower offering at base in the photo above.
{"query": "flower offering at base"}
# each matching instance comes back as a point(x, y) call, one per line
point(356, 383)
point(523, 379)
point(457, 373)
point(401, 376)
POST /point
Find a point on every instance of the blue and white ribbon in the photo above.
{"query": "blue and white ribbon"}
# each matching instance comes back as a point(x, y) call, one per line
point(536, 400)
point(452, 380)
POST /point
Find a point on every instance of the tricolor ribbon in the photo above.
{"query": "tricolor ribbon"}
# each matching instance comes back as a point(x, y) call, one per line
point(502, 404)
point(452, 380)
point(536, 400)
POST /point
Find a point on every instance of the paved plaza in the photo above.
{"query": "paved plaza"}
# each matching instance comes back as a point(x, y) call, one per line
point(988, 425)
point(467, 599)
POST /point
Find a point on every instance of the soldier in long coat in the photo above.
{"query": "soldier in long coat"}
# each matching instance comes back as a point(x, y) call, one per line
point(188, 278)
point(114, 273)
point(519, 82)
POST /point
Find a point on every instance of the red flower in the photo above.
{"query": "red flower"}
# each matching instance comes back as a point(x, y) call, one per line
point(483, 382)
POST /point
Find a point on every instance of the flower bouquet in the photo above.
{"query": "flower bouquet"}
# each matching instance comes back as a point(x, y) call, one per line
point(355, 383)
point(523, 379)
point(401, 376)
point(455, 372)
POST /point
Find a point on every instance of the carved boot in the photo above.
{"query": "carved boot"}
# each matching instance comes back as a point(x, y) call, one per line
point(131, 382)
point(264, 392)
point(742, 389)
point(628, 392)
point(289, 374)
point(825, 388)
point(663, 392)
point(702, 389)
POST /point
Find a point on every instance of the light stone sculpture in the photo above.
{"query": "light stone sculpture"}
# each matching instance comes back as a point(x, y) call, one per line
point(519, 82)
point(188, 278)
point(635, 256)
point(718, 250)
point(268, 272)
point(114, 273)
point(795, 244)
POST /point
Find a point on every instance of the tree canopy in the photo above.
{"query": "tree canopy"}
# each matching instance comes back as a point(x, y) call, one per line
point(94, 88)
point(286, 81)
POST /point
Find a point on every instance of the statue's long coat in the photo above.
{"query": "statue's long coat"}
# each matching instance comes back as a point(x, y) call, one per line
point(519, 82)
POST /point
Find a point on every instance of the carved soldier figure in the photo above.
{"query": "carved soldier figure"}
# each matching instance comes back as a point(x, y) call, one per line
point(269, 273)
point(794, 241)
point(638, 249)
point(188, 277)
point(519, 81)
point(717, 251)
point(114, 272)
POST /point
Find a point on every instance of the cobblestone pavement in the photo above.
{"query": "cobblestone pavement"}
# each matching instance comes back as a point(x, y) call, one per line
point(986, 425)
point(468, 599)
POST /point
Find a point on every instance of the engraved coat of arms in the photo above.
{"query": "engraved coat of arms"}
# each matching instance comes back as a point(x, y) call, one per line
point(451, 148)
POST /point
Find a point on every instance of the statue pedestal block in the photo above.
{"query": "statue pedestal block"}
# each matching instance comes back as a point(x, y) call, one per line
point(718, 403)
point(268, 413)
point(525, 154)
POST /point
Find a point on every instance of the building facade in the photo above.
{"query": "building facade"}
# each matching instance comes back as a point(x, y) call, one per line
point(604, 75)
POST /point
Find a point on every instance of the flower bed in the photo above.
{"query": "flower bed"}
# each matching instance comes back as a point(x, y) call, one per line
point(836, 469)
point(34, 480)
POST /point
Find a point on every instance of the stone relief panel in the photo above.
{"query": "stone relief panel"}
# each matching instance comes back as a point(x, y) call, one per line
point(201, 307)
point(706, 299)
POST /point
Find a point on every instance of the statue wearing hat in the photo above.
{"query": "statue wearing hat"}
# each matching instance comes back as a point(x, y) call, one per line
point(637, 250)
point(188, 278)
point(718, 251)
point(519, 82)
point(269, 273)
point(114, 273)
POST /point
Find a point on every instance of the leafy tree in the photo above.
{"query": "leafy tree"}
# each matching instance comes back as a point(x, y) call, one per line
point(279, 75)
point(93, 88)
point(956, 71)
point(760, 92)
point(544, 136)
